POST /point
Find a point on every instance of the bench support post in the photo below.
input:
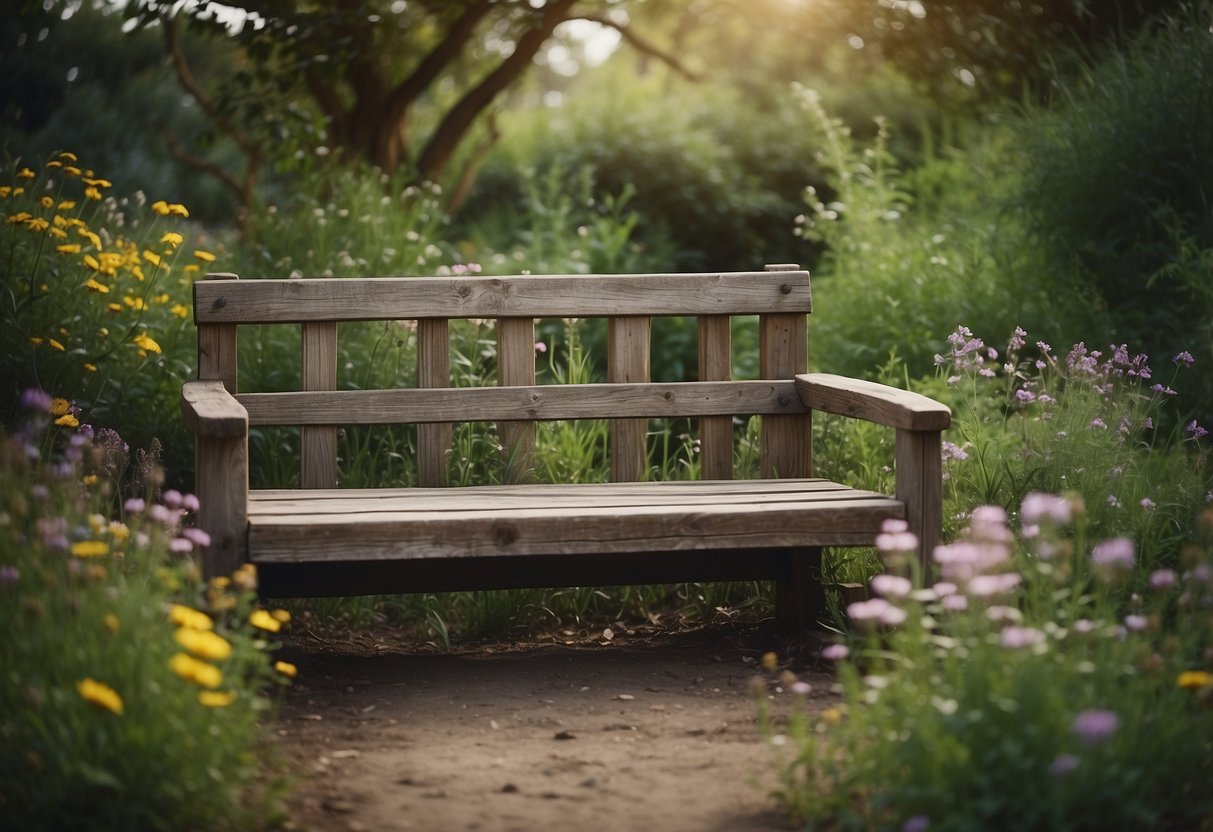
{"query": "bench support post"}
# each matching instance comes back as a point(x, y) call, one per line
point(222, 491)
point(919, 484)
point(800, 600)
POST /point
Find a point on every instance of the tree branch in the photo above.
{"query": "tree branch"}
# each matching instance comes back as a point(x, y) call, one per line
point(463, 187)
point(641, 45)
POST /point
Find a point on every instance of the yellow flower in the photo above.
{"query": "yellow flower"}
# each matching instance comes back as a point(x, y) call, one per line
point(66, 205)
point(59, 406)
point(67, 420)
point(19, 217)
point(192, 670)
point(192, 268)
point(160, 207)
point(204, 644)
point(137, 272)
point(90, 548)
point(58, 233)
point(163, 297)
point(89, 366)
point(135, 303)
point(46, 202)
point(215, 698)
point(99, 695)
point(144, 342)
point(92, 193)
point(89, 479)
point(119, 531)
point(37, 224)
point(90, 236)
point(26, 173)
point(71, 170)
point(281, 616)
point(184, 616)
point(36, 340)
point(54, 163)
point(204, 256)
point(92, 262)
point(264, 621)
point(286, 669)
point(245, 577)
point(172, 238)
point(98, 183)
point(1191, 679)
point(67, 154)
point(178, 209)
point(5, 190)
point(56, 344)
point(180, 311)
point(151, 257)
point(94, 285)
point(113, 307)
point(832, 715)
point(111, 622)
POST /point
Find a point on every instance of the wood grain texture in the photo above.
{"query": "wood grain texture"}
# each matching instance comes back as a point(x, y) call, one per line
point(318, 443)
point(489, 524)
point(628, 362)
point(540, 403)
point(872, 402)
point(530, 296)
point(918, 473)
point(785, 441)
point(210, 410)
point(433, 370)
point(516, 368)
point(222, 490)
point(716, 364)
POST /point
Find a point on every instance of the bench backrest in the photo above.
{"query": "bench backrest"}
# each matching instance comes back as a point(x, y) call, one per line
point(780, 296)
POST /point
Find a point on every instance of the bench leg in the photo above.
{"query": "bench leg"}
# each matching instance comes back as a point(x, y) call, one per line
point(800, 600)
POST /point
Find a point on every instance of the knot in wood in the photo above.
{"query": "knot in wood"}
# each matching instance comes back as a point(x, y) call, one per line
point(220, 303)
point(504, 533)
point(464, 290)
point(785, 289)
point(783, 400)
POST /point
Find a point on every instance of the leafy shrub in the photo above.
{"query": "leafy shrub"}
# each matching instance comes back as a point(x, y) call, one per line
point(125, 705)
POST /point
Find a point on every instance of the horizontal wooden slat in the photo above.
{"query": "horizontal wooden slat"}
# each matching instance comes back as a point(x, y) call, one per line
point(556, 520)
point(535, 403)
point(872, 401)
point(532, 296)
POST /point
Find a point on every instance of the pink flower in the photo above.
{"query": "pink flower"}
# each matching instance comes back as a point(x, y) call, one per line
point(892, 586)
point(1095, 726)
point(835, 652)
point(877, 610)
point(989, 586)
point(1038, 507)
point(1017, 638)
point(1116, 554)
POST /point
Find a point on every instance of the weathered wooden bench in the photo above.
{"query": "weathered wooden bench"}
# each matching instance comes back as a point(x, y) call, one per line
point(321, 540)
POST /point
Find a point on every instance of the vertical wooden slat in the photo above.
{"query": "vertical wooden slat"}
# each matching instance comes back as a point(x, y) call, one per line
point(433, 370)
point(918, 470)
point(628, 361)
point(318, 443)
point(516, 368)
point(715, 364)
point(785, 448)
point(221, 464)
point(800, 600)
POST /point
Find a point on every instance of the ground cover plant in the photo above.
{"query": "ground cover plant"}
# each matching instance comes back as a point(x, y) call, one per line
point(134, 694)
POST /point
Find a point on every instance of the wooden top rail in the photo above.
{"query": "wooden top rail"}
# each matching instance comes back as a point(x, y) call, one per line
point(231, 301)
point(872, 402)
point(534, 403)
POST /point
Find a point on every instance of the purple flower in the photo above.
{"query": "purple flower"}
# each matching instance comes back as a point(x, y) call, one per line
point(897, 542)
point(989, 586)
point(953, 451)
point(1184, 359)
point(1162, 579)
point(835, 652)
point(36, 399)
point(891, 586)
point(1063, 765)
point(1195, 431)
point(1095, 726)
point(189, 502)
point(1136, 623)
point(171, 498)
point(1099, 423)
point(1115, 554)
point(1024, 395)
point(1018, 339)
point(876, 609)
point(1017, 638)
point(180, 546)
point(197, 536)
point(918, 823)
point(9, 575)
point(134, 505)
point(1037, 507)
point(955, 603)
point(1147, 504)
point(1166, 391)
point(161, 514)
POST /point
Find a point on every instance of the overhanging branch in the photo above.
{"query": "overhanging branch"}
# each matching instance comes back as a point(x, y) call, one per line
point(641, 45)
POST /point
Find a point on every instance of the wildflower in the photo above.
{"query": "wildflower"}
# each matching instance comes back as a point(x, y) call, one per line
point(111, 623)
point(541, 347)
point(160, 207)
point(26, 173)
point(1147, 504)
point(189, 502)
point(37, 224)
point(918, 823)
point(1095, 726)
point(145, 343)
point(94, 285)
point(1194, 679)
point(180, 546)
point(172, 238)
point(1016, 638)
point(177, 209)
point(950, 450)
point(100, 695)
point(204, 644)
point(1099, 423)
point(9, 575)
point(1136, 623)
point(245, 577)
point(1184, 359)
point(891, 586)
point(134, 505)
point(216, 698)
point(1195, 431)
point(264, 621)
point(184, 616)
point(281, 616)
point(92, 193)
point(877, 610)
point(1116, 554)
point(1063, 765)
point(35, 398)
point(835, 652)
point(286, 669)
point(192, 670)
point(90, 548)
point(1162, 579)
point(204, 256)
point(1038, 507)
point(197, 537)
point(151, 257)
point(66, 205)
point(180, 310)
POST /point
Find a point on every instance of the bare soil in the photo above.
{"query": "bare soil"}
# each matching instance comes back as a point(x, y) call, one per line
point(607, 730)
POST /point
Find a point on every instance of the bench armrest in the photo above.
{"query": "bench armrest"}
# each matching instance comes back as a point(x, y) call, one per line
point(210, 410)
point(872, 402)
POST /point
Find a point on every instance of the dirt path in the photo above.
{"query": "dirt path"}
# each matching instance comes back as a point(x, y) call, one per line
point(653, 730)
